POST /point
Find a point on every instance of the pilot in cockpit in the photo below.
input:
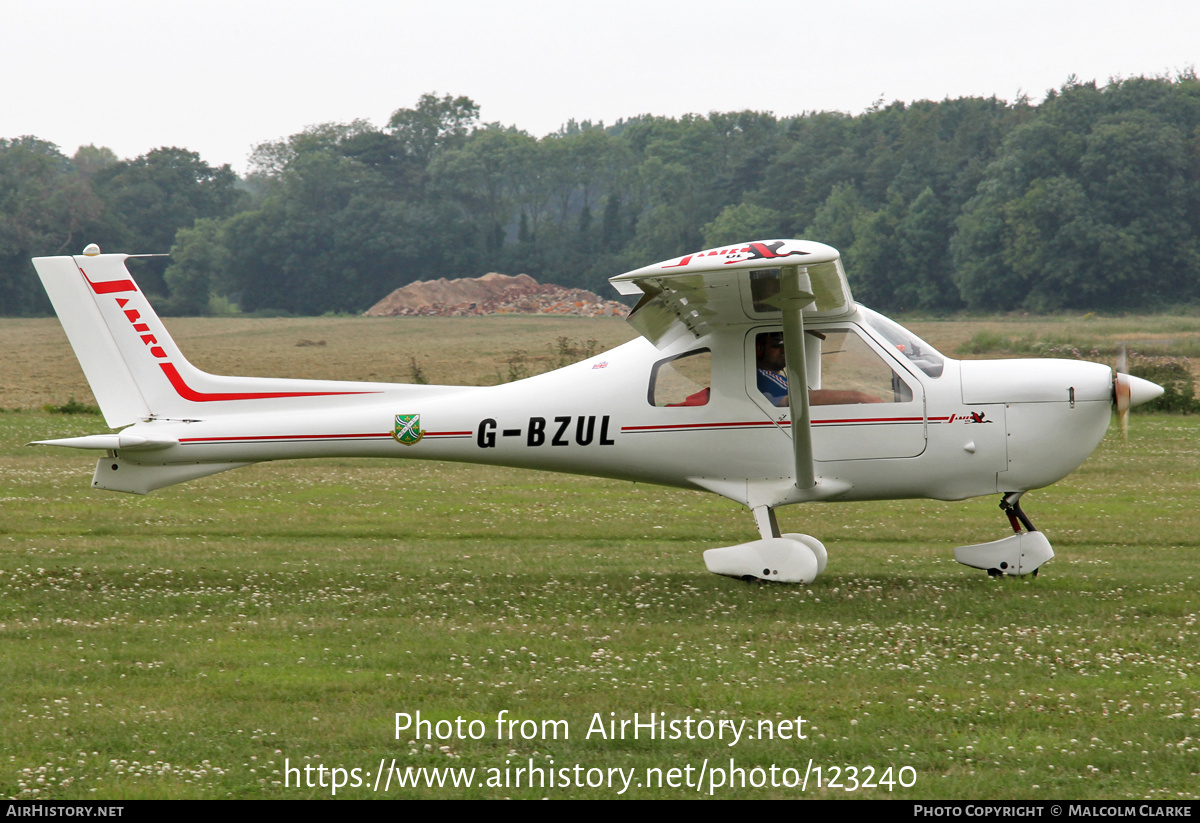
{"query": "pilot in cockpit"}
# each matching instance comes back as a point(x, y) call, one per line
point(772, 381)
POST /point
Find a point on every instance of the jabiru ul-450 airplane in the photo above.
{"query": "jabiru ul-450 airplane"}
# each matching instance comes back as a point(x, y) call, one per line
point(700, 400)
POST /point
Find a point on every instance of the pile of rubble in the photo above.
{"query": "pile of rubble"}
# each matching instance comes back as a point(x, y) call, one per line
point(492, 294)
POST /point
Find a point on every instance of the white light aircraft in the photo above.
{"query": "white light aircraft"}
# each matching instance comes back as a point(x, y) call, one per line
point(699, 401)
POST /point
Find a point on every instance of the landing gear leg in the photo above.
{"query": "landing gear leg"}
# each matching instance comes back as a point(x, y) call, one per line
point(768, 524)
point(1010, 504)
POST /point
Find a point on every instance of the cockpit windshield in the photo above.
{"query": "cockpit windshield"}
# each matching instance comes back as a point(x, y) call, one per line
point(922, 355)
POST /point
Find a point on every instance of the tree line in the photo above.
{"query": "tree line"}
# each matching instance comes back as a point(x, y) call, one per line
point(1089, 200)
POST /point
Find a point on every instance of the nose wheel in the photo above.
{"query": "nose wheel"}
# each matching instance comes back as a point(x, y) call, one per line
point(1020, 554)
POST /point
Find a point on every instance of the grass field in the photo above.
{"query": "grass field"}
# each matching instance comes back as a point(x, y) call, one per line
point(40, 369)
point(192, 642)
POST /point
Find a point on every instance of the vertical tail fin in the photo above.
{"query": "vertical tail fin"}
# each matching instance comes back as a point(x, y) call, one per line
point(134, 367)
point(77, 300)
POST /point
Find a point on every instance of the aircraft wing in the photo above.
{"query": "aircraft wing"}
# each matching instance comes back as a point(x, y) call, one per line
point(732, 285)
point(784, 281)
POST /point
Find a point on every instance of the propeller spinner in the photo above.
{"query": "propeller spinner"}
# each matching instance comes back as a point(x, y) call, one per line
point(1130, 391)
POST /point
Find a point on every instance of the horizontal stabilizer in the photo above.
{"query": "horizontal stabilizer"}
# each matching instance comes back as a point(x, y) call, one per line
point(110, 442)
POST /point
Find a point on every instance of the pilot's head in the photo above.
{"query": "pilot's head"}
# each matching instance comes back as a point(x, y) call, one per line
point(769, 351)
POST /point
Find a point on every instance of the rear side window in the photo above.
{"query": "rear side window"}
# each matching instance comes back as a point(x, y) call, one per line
point(683, 380)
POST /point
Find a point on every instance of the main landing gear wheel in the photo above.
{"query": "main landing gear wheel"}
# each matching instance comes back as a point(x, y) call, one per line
point(815, 545)
point(792, 558)
point(776, 558)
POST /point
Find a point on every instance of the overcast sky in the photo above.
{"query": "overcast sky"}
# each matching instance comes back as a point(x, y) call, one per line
point(219, 76)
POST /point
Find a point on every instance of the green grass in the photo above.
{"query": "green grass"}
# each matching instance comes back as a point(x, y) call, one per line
point(186, 643)
point(1082, 343)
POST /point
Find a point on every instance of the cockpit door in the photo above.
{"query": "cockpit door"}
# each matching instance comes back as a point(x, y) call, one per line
point(864, 403)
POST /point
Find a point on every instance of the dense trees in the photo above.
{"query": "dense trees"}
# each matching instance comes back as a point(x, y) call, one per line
point(1096, 203)
point(50, 204)
point(1090, 200)
point(46, 207)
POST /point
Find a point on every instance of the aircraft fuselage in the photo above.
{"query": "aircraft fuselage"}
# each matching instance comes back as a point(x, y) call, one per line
point(977, 428)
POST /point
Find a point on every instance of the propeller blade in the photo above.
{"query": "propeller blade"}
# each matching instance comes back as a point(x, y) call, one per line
point(1122, 393)
point(1121, 398)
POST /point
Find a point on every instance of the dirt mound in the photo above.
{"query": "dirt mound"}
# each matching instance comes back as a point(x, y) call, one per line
point(491, 294)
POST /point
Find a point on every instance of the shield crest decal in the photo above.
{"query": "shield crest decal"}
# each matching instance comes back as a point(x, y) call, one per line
point(407, 429)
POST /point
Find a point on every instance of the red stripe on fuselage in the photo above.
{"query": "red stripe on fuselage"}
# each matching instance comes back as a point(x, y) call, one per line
point(278, 437)
point(261, 437)
point(181, 387)
point(686, 426)
point(852, 420)
point(769, 423)
point(188, 393)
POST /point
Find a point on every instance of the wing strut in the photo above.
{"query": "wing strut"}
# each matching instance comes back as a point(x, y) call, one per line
point(794, 294)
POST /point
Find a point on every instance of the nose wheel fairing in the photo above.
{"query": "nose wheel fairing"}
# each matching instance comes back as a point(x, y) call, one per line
point(1017, 555)
point(1014, 556)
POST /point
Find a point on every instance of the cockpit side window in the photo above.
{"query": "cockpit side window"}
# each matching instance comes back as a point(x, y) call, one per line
point(843, 369)
point(682, 380)
point(852, 372)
